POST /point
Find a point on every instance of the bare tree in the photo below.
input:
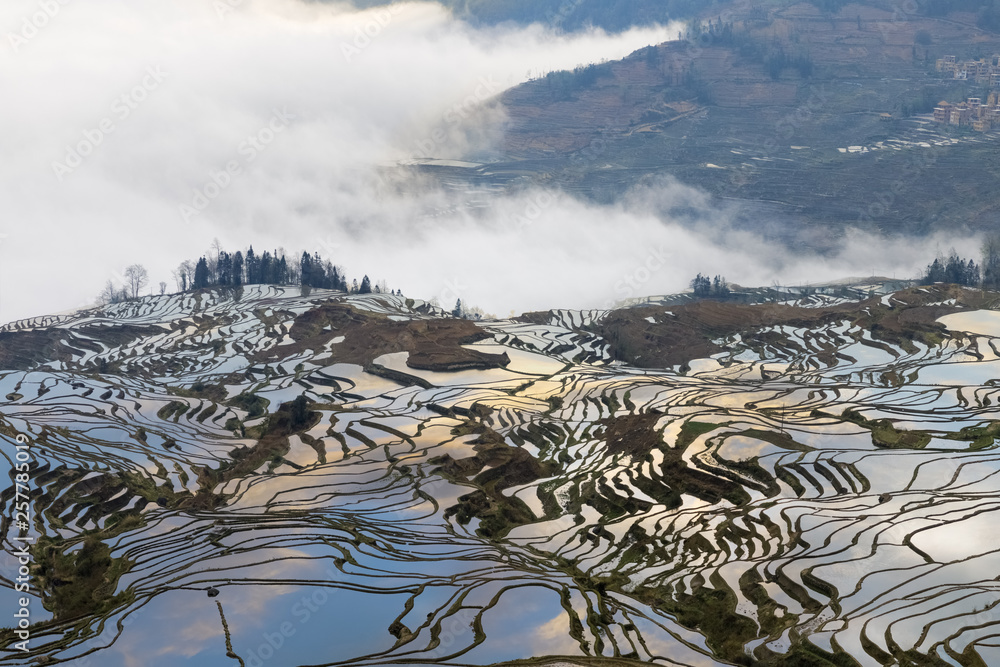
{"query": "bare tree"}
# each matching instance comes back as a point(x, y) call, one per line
point(213, 260)
point(136, 277)
point(184, 275)
point(217, 247)
point(163, 287)
point(991, 261)
point(109, 294)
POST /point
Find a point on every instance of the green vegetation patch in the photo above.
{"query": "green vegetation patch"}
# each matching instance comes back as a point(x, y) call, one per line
point(885, 434)
point(81, 582)
point(173, 409)
point(254, 405)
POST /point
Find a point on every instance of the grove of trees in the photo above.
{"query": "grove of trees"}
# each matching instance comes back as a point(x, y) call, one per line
point(953, 269)
point(220, 268)
point(961, 271)
point(704, 286)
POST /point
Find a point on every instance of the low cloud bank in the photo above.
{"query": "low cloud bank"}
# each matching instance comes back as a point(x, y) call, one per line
point(141, 131)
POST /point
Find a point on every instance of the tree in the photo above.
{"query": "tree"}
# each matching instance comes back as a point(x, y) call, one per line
point(281, 275)
point(305, 269)
point(334, 273)
point(224, 268)
point(200, 275)
point(701, 285)
point(991, 261)
point(109, 294)
point(266, 270)
point(319, 278)
point(163, 288)
point(181, 279)
point(251, 263)
point(933, 274)
point(136, 277)
point(366, 286)
point(457, 311)
point(237, 269)
point(952, 270)
point(972, 276)
point(185, 273)
point(720, 287)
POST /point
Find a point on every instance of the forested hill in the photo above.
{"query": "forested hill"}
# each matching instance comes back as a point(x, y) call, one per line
point(618, 15)
point(570, 15)
point(810, 121)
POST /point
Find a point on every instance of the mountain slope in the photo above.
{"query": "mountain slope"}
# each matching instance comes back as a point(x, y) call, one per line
point(779, 111)
point(610, 15)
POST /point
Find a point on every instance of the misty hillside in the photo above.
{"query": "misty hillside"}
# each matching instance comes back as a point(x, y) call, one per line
point(617, 15)
point(809, 120)
point(611, 15)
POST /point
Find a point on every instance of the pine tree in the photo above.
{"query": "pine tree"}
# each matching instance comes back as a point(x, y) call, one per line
point(720, 287)
point(366, 286)
point(282, 277)
point(934, 273)
point(991, 261)
point(251, 264)
point(701, 285)
point(237, 269)
point(200, 274)
point(305, 269)
point(266, 271)
point(318, 274)
point(225, 263)
point(971, 274)
point(457, 311)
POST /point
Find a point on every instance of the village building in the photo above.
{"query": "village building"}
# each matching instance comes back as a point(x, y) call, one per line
point(971, 113)
point(985, 71)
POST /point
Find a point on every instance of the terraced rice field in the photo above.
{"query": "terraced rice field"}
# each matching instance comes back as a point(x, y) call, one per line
point(809, 495)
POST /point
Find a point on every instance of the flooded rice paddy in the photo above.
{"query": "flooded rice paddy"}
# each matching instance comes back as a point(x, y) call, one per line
point(563, 509)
